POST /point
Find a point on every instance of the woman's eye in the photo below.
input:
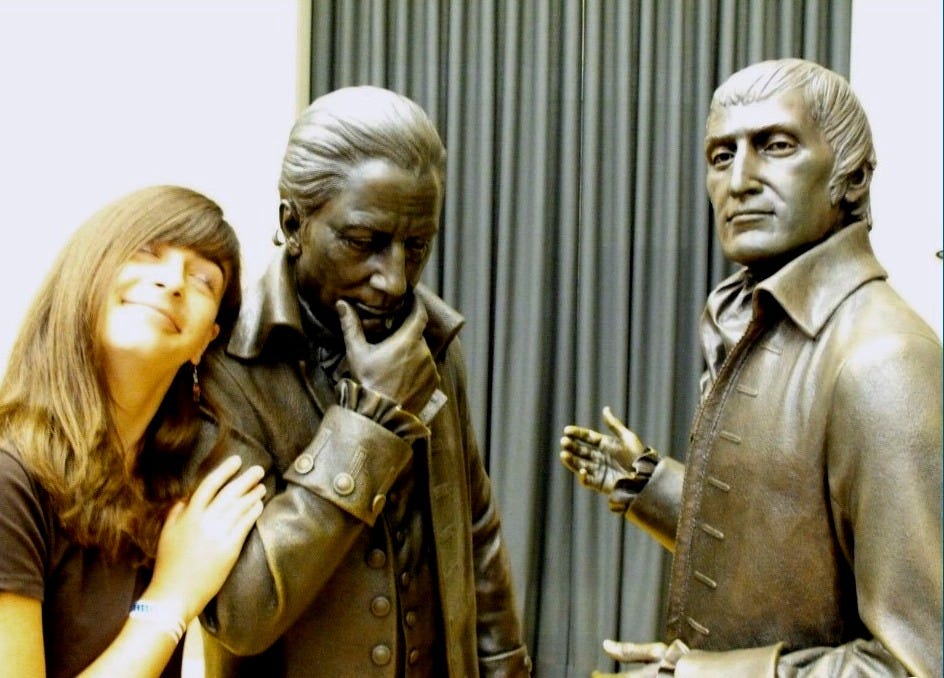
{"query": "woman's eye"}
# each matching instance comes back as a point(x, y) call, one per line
point(203, 280)
point(209, 278)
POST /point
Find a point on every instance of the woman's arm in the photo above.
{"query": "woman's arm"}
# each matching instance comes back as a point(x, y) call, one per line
point(141, 649)
point(21, 636)
point(199, 544)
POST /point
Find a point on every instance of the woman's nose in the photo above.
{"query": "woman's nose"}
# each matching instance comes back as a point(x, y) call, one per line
point(169, 273)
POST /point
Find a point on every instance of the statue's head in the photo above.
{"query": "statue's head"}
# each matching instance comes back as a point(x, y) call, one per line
point(831, 105)
point(362, 191)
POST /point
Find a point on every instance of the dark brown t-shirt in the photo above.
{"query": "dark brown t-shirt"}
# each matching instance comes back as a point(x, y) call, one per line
point(85, 598)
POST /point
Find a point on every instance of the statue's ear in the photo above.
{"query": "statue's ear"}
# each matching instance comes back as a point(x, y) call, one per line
point(290, 224)
point(857, 185)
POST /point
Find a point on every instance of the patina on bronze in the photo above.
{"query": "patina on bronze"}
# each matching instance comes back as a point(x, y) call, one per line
point(806, 521)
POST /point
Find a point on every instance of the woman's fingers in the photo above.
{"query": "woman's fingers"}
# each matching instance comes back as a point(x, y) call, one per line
point(251, 510)
point(240, 485)
point(215, 479)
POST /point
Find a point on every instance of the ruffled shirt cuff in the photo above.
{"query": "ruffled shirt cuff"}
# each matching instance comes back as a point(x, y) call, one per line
point(381, 409)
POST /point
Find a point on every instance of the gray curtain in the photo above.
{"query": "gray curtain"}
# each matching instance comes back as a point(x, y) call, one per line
point(577, 241)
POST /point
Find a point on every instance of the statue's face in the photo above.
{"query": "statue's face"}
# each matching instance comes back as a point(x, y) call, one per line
point(368, 246)
point(768, 176)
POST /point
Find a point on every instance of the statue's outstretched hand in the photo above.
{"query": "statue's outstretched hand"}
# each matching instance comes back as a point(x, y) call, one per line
point(599, 460)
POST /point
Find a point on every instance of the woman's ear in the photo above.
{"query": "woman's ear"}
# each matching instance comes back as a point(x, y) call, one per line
point(211, 335)
point(290, 224)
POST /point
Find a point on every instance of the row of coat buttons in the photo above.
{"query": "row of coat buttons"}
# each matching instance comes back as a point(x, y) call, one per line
point(381, 606)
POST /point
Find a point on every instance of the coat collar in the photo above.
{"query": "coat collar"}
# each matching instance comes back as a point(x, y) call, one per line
point(271, 313)
point(812, 286)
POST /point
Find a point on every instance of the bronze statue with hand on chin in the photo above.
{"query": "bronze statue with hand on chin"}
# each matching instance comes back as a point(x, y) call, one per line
point(379, 551)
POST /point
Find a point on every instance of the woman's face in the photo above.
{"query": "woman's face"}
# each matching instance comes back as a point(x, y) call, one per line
point(162, 306)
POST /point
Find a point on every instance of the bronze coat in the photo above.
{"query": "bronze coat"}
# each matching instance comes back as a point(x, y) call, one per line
point(302, 590)
point(810, 514)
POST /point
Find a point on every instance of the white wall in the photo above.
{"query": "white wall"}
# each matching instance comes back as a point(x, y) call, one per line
point(896, 71)
point(100, 98)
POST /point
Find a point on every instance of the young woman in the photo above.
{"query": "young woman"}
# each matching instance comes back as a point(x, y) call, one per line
point(105, 553)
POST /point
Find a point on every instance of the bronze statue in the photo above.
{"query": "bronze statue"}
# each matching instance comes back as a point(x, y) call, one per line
point(379, 551)
point(806, 522)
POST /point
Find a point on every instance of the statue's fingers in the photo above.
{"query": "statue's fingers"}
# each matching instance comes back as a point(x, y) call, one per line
point(634, 652)
point(582, 434)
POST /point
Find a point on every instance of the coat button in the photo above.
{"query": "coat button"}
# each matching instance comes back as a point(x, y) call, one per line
point(376, 559)
point(343, 484)
point(414, 657)
point(380, 655)
point(405, 580)
point(411, 619)
point(378, 504)
point(304, 463)
point(380, 606)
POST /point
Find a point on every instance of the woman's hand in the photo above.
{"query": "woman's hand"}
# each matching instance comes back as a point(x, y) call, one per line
point(201, 538)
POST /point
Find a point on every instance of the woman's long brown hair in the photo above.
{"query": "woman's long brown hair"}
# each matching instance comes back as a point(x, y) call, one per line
point(54, 403)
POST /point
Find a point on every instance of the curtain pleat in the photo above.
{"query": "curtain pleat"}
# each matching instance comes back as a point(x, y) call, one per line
point(577, 241)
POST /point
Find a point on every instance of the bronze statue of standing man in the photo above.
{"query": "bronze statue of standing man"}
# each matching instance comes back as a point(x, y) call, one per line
point(806, 521)
point(379, 551)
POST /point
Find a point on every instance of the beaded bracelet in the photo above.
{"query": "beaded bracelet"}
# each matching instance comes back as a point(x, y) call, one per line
point(168, 619)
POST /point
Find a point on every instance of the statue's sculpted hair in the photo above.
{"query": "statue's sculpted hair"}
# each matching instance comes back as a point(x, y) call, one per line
point(349, 126)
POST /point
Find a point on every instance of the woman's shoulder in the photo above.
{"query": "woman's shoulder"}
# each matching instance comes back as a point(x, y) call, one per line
point(28, 531)
point(15, 474)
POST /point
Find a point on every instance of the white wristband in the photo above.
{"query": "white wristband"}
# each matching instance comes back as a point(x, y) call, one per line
point(165, 617)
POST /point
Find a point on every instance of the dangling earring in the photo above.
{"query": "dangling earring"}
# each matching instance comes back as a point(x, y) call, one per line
point(196, 384)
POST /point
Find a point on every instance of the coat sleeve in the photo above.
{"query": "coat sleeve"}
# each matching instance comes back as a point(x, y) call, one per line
point(884, 458)
point(315, 509)
point(501, 651)
point(657, 507)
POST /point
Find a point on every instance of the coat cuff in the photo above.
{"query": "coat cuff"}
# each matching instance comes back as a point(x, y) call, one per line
point(755, 662)
point(512, 664)
point(352, 462)
point(656, 507)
